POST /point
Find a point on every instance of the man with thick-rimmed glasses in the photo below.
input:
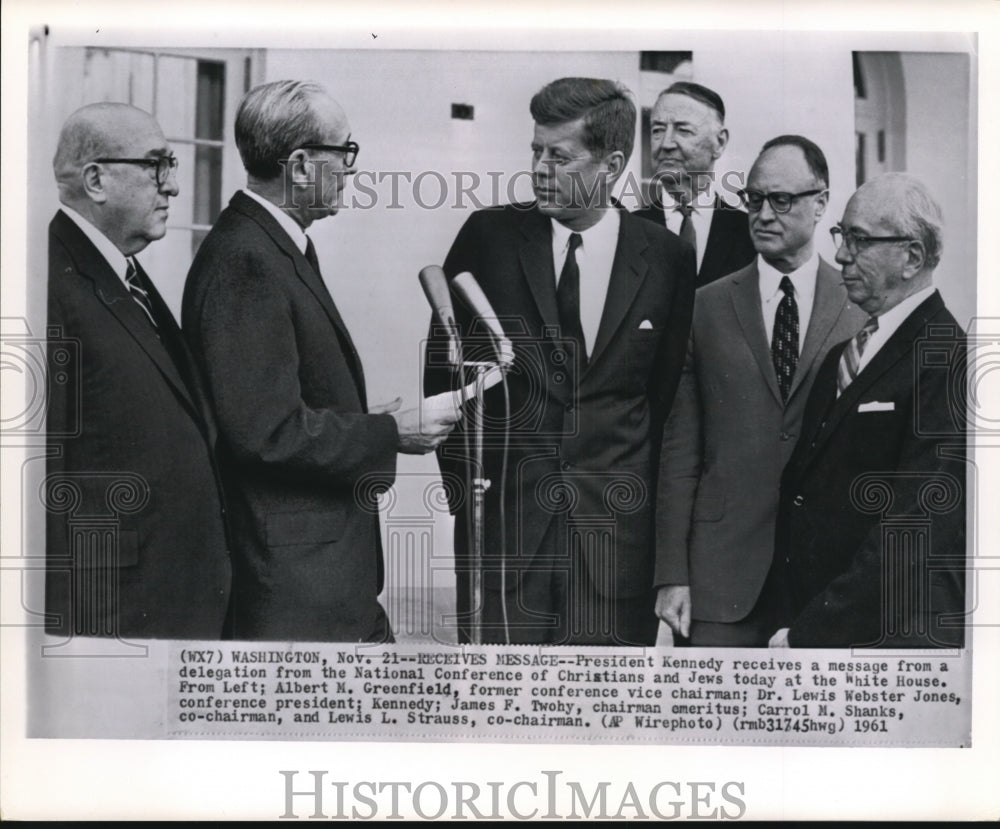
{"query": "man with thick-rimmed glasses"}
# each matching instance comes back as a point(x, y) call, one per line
point(871, 527)
point(135, 534)
point(758, 337)
point(300, 439)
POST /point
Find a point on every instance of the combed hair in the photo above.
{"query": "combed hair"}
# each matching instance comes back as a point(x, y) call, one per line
point(814, 155)
point(272, 121)
point(605, 106)
point(709, 97)
point(914, 212)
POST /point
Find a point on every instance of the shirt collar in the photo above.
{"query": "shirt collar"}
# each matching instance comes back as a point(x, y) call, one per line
point(893, 318)
point(704, 202)
point(606, 229)
point(770, 277)
point(114, 257)
point(290, 226)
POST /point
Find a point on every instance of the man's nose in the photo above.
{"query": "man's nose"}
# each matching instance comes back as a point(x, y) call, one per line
point(843, 255)
point(170, 187)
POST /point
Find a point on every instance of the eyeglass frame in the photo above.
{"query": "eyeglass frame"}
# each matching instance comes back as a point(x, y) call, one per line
point(852, 247)
point(346, 149)
point(168, 162)
point(767, 197)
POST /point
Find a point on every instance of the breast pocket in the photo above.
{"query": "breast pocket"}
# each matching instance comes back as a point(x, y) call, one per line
point(636, 360)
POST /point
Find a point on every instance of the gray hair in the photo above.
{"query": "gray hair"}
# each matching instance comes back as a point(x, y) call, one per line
point(911, 210)
point(273, 120)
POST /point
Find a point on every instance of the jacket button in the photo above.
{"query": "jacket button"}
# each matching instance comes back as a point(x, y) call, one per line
point(798, 501)
point(785, 436)
point(570, 408)
point(567, 465)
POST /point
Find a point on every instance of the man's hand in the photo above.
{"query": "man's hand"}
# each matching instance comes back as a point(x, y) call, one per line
point(673, 606)
point(421, 430)
point(779, 640)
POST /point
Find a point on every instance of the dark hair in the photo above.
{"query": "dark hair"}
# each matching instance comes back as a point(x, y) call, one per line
point(605, 106)
point(273, 120)
point(814, 155)
point(709, 97)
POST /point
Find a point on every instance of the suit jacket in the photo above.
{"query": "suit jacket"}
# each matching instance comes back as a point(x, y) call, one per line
point(288, 388)
point(135, 526)
point(728, 438)
point(728, 248)
point(589, 454)
point(871, 526)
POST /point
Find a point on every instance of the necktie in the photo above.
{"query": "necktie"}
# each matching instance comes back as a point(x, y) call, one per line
point(311, 254)
point(568, 299)
point(139, 293)
point(687, 226)
point(785, 339)
point(850, 357)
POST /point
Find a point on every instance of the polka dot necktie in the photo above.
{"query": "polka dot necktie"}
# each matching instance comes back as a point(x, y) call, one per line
point(785, 340)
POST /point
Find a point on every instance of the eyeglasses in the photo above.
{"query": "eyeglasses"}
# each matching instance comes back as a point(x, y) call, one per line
point(857, 241)
point(754, 200)
point(350, 150)
point(164, 165)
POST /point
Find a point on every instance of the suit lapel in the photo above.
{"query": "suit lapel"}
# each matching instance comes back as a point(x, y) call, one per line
point(898, 347)
point(535, 254)
point(829, 302)
point(745, 293)
point(718, 242)
point(628, 272)
point(312, 280)
point(111, 292)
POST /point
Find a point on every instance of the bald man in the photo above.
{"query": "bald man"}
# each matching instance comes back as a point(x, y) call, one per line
point(136, 539)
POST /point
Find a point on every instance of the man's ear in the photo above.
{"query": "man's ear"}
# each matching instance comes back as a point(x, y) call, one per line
point(298, 168)
point(916, 258)
point(93, 180)
point(615, 162)
point(822, 199)
point(721, 140)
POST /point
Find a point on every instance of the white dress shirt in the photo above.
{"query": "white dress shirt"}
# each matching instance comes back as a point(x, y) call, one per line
point(804, 288)
point(889, 322)
point(114, 257)
point(702, 210)
point(594, 257)
point(291, 227)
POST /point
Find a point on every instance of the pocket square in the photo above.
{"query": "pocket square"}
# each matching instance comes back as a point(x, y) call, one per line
point(876, 406)
point(645, 325)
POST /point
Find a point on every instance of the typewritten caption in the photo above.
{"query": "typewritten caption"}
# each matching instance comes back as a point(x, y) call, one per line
point(521, 694)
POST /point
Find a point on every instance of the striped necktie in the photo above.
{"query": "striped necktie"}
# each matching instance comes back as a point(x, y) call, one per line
point(139, 293)
point(850, 357)
point(687, 232)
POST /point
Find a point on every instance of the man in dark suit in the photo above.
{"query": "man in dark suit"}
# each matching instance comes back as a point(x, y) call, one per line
point(597, 304)
point(301, 442)
point(757, 339)
point(136, 537)
point(871, 528)
point(687, 136)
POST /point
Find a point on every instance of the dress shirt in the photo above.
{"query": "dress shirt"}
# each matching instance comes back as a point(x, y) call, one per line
point(594, 257)
point(290, 226)
point(889, 322)
point(702, 210)
point(803, 281)
point(114, 257)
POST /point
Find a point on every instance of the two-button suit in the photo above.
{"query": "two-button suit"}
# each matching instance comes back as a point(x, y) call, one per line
point(871, 527)
point(728, 247)
point(728, 438)
point(582, 462)
point(289, 392)
point(135, 528)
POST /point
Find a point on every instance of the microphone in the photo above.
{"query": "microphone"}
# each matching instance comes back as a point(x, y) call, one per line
point(472, 295)
point(435, 285)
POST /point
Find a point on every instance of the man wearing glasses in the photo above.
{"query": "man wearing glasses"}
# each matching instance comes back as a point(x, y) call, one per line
point(871, 527)
point(135, 532)
point(288, 386)
point(758, 336)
